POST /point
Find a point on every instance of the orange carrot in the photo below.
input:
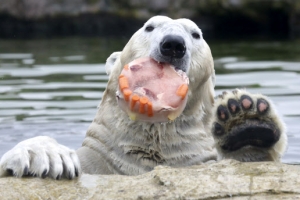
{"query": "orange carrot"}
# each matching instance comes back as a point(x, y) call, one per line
point(127, 93)
point(182, 90)
point(150, 111)
point(126, 67)
point(134, 99)
point(123, 83)
point(143, 102)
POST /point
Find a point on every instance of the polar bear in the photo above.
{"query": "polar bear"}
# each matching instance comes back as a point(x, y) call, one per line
point(123, 140)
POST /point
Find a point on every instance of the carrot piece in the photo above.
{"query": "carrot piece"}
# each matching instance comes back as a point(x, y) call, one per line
point(123, 83)
point(150, 111)
point(127, 94)
point(126, 67)
point(134, 99)
point(143, 102)
point(182, 90)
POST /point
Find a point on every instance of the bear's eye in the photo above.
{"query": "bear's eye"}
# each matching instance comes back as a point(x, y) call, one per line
point(149, 28)
point(196, 35)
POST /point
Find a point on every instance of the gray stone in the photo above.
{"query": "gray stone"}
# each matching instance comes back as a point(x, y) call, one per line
point(222, 180)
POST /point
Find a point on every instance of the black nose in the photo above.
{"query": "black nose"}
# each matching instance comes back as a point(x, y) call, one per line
point(172, 46)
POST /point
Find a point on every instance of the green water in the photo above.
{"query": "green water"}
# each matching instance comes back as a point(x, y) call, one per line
point(52, 87)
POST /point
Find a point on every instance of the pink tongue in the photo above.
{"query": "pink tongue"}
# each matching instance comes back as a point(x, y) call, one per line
point(151, 91)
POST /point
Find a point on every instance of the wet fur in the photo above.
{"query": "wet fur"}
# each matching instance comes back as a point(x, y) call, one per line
point(131, 147)
point(116, 145)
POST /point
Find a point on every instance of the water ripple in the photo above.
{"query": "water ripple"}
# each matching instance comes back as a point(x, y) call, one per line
point(58, 96)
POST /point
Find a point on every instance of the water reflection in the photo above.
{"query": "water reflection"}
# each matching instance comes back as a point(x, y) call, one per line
point(56, 91)
point(252, 65)
point(45, 70)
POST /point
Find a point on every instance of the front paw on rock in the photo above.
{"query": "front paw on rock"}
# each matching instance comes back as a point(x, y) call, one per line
point(42, 157)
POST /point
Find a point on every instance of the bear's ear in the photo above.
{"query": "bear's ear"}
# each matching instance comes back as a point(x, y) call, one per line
point(111, 61)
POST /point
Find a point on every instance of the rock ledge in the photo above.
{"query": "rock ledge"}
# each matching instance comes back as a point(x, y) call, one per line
point(222, 180)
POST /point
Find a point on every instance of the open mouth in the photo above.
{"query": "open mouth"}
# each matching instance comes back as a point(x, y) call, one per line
point(152, 91)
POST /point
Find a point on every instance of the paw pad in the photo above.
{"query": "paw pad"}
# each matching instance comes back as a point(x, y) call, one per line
point(246, 102)
point(262, 106)
point(244, 120)
point(218, 129)
point(222, 113)
point(233, 106)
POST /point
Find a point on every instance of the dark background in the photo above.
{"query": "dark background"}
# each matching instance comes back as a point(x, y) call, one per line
point(218, 19)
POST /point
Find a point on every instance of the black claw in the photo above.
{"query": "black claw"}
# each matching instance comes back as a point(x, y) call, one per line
point(25, 171)
point(10, 171)
point(262, 106)
point(234, 91)
point(70, 175)
point(58, 177)
point(222, 113)
point(31, 174)
point(233, 106)
point(246, 102)
point(45, 173)
point(76, 172)
point(218, 129)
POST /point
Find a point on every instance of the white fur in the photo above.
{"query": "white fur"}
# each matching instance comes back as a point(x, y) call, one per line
point(111, 61)
point(40, 155)
point(116, 145)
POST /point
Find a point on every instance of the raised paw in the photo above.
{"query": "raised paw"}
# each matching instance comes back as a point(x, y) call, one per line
point(246, 127)
point(40, 156)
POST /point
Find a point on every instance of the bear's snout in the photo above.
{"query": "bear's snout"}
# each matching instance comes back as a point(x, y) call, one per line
point(173, 46)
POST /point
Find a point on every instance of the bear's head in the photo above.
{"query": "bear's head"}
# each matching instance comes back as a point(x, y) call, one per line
point(163, 43)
